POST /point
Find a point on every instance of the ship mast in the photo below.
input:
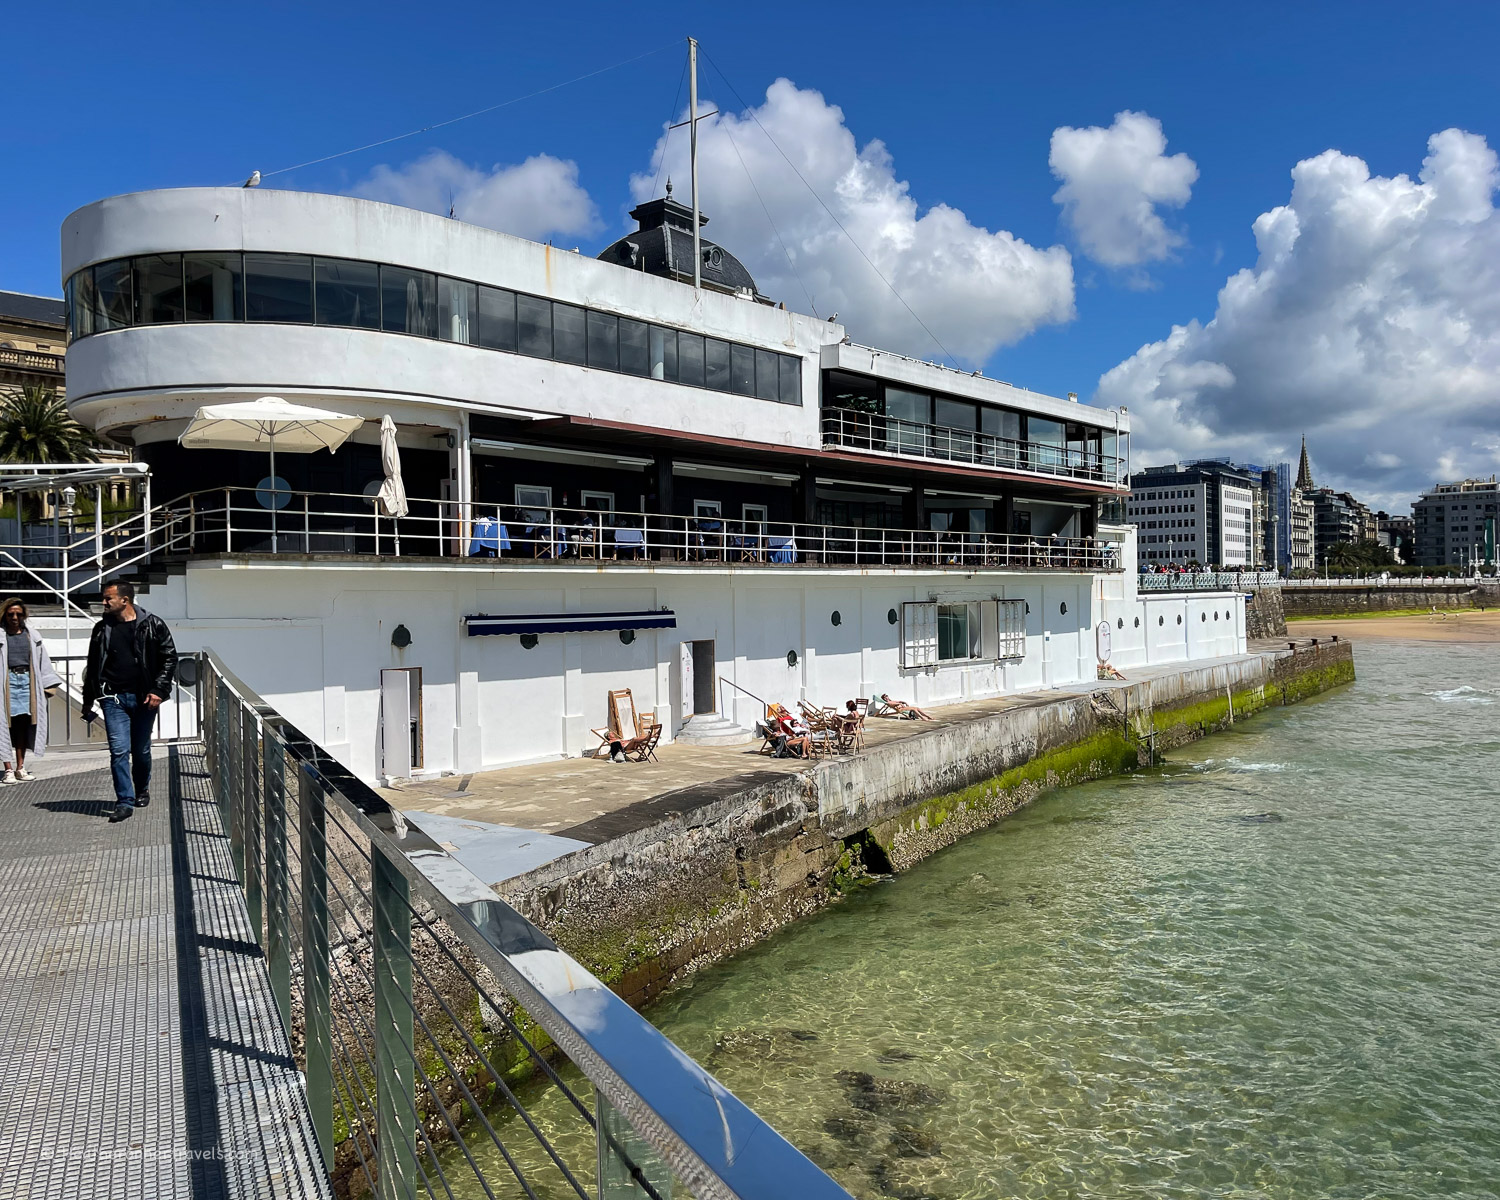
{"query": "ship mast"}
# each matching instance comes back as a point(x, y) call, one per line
point(693, 155)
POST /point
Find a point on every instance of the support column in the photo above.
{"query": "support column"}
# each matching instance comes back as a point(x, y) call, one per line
point(395, 1074)
point(914, 509)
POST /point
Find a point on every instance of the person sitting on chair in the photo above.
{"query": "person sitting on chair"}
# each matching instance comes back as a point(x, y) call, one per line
point(903, 710)
point(794, 738)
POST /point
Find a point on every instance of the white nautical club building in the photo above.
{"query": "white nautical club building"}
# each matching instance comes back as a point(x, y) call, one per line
point(616, 479)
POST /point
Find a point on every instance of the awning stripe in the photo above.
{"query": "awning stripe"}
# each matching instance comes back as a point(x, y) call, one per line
point(598, 622)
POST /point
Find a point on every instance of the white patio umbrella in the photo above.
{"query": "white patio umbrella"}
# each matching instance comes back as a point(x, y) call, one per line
point(270, 422)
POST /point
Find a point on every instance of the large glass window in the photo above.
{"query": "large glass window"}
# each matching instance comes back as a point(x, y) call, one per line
point(954, 414)
point(791, 379)
point(278, 287)
point(604, 340)
point(347, 293)
point(767, 375)
point(85, 302)
point(1000, 422)
point(1046, 438)
point(114, 299)
point(458, 305)
point(408, 301)
point(664, 354)
point(214, 286)
point(158, 286)
point(716, 368)
point(534, 326)
point(958, 631)
point(569, 337)
point(497, 319)
point(908, 414)
point(635, 348)
point(690, 359)
point(742, 370)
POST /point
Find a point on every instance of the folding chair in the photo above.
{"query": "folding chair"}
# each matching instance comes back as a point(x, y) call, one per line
point(645, 747)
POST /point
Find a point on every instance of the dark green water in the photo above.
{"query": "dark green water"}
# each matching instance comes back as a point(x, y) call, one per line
point(1268, 969)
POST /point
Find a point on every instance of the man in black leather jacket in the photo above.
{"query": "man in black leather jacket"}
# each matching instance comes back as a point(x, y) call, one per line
point(129, 673)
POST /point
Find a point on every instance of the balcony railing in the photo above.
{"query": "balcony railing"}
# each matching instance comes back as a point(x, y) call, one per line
point(1206, 581)
point(879, 434)
point(31, 360)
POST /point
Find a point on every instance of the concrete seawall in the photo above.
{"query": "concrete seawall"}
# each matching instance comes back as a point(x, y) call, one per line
point(763, 848)
point(1340, 599)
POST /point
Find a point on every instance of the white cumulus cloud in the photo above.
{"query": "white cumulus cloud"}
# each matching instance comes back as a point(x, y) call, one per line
point(1370, 321)
point(1113, 181)
point(977, 290)
point(536, 199)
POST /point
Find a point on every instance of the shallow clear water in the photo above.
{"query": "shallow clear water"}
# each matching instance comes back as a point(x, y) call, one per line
point(1270, 968)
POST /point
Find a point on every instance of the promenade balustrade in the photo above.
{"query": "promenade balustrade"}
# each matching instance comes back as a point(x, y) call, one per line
point(450, 1047)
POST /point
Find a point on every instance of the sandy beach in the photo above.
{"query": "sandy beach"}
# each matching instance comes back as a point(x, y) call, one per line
point(1458, 626)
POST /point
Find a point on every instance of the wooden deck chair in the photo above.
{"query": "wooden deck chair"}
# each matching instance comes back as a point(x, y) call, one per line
point(645, 747)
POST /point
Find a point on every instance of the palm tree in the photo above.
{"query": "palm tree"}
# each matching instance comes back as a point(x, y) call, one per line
point(36, 427)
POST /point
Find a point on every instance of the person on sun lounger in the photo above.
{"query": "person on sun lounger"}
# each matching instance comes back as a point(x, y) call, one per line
point(903, 711)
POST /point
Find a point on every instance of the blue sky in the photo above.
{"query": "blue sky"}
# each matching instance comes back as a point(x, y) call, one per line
point(1376, 318)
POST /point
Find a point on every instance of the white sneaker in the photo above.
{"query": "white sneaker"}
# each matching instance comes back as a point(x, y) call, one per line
point(8, 779)
point(24, 776)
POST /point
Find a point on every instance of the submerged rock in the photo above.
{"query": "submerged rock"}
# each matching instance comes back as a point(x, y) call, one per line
point(877, 1093)
point(910, 1142)
point(852, 1127)
point(895, 1056)
point(1265, 818)
point(771, 1045)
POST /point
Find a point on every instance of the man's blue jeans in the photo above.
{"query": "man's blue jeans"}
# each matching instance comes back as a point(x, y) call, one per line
point(127, 725)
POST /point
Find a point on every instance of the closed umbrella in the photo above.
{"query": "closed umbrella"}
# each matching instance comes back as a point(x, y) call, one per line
point(270, 422)
point(392, 494)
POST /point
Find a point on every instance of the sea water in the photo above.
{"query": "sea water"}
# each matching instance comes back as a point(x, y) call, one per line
point(1268, 968)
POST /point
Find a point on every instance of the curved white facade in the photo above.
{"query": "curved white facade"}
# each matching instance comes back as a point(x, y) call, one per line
point(120, 379)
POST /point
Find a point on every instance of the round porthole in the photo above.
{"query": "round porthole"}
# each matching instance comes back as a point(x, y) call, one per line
point(1204, 617)
point(1216, 614)
point(1226, 614)
point(1179, 618)
point(837, 617)
point(627, 636)
point(401, 637)
point(890, 617)
point(528, 641)
point(1120, 623)
point(1161, 620)
point(791, 658)
point(1138, 622)
point(1063, 608)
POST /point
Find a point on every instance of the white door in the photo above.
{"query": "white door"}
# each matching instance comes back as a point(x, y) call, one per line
point(685, 670)
point(395, 724)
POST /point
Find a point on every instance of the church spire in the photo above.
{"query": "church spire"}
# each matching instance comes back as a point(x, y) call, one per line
point(1304, 470)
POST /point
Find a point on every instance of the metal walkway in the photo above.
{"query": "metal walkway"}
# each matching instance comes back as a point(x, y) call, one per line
point(141, 1054)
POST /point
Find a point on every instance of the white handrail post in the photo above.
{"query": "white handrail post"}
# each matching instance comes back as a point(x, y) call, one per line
point(306, 524)
point(98, 536)
point(228, 524)
point(67, 615)
point(146, 518)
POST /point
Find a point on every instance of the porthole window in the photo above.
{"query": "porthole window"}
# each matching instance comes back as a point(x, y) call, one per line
point(528, 641)
point(890, 617)
point(627, 636)
point(791, 658)
point(1179, 618)
point(1138, 622)
point(1161, 620)
point(1216, 614)
point(1063, 608)
point(1204, 617)
point(1120, 623)
point(837, 617)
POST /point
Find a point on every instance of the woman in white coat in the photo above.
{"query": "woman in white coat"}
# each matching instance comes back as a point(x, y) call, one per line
point(29, 678)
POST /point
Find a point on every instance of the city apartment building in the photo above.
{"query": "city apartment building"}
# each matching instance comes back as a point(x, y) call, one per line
point(1339, 517)
point(1454, 523)
point(33, 341)
point(1199, 512)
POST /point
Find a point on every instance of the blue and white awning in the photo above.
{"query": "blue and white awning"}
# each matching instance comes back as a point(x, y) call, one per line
point(597, 622)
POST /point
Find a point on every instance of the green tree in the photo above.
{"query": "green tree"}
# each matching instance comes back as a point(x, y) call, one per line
point(1359, 558)
point(36, 427)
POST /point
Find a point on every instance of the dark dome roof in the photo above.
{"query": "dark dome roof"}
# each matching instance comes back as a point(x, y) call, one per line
point(663, 245)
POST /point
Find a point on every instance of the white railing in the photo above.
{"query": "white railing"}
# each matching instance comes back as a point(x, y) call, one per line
point(235, 521)
point(877, 433)
point(1210, 581)
point(1394, 581)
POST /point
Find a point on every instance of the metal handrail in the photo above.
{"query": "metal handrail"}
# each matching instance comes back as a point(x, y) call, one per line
point(878, 433)
point(764, 702)
point(1172, 581)
point(297, 820)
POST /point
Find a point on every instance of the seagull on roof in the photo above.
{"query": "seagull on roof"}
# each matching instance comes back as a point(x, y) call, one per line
point(253, 181)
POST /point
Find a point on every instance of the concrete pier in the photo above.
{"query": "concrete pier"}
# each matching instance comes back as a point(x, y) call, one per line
point(646, 871)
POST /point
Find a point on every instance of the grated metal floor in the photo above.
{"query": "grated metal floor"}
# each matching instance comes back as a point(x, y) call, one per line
point(140, 1050)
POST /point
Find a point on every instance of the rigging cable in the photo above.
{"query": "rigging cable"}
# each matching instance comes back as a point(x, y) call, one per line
point(751, 112)
point(668, 140)
point(312, 162)
point(770, 220)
